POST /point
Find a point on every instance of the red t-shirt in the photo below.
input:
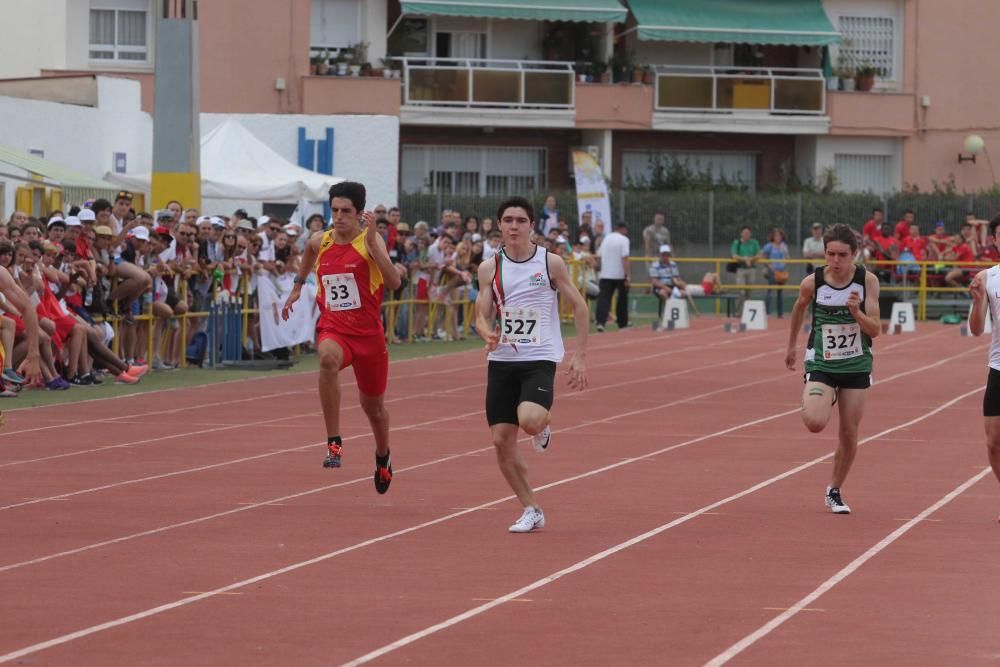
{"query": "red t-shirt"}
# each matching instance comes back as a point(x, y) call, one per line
point(963, 253)
point(350, 287)
point(83, 247)
point(939, 241)
point(872, 229)
point(916, 245)
point(902, 229)
point(989, 253)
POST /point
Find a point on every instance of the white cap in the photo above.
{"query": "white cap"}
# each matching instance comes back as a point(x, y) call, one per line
point(665, 248)
point(217, 221)
point(72, 221)
point(263, 220)
point(203, 218)
point(86, 214)
point(140, 232)
point(584, 239)
point(291, 230)
point(476, 237)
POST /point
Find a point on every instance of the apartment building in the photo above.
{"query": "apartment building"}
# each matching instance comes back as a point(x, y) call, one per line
point(492, 95)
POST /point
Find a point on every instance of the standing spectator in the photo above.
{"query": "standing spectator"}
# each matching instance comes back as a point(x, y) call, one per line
point(598, 238)
point(549, 219)
point(744, 253)
point(492, 245)
point(487, 226)
point(812, 247)
point(616, 276)
point(656, 234)
point(776, 271)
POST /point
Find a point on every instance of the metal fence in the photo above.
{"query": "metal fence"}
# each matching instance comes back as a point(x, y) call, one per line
point(706, 223)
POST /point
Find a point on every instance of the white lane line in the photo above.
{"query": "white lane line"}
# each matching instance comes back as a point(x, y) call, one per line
point(63, 639)
point(354, 547)
point(847, 571)
point(344, 385)
point(287, 417)
point(445, 459)
point(366, 478)
point(611, 551)
point(208, 386)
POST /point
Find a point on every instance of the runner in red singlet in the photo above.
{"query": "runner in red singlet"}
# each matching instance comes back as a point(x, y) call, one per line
point(353, 270)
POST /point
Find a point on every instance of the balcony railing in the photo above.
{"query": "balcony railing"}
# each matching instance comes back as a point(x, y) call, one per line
point(482, 82)
point(771, 90)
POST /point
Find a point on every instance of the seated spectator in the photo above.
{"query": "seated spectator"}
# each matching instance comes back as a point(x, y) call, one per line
point(912, 248)
point(882, 248)
point(873, 228)
point(663, 275)
point(939, 242)
point(964, 251)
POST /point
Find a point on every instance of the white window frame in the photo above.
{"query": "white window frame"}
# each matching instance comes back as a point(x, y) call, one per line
point(337, 48)
point(888, 166)
point(115, 49)
point(884, 10)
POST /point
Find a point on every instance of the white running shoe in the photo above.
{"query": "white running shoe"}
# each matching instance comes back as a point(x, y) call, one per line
point(531, 518)
point(835, 502)
point(540, 441)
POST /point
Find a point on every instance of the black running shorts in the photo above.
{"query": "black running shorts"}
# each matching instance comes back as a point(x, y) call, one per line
point(991, 399)
point(510, 383)
point(840, 380)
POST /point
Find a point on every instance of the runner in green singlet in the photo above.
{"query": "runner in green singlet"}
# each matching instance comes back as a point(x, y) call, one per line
point(838, 360)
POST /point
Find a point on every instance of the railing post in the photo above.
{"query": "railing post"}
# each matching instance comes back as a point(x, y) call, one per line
point(711, 226)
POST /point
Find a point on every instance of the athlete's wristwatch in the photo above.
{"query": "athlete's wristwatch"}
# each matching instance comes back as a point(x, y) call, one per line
point(299, 281)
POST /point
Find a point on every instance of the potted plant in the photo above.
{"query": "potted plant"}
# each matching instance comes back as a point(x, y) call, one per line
point(865, 76)
point(340, 62)
point(621, 65)
point(359, 57)
point(845, 69)
point(599, 72)
point(648, 75)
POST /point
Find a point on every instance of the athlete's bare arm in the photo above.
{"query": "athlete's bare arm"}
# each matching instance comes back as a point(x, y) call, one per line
point(807, 288)
point(559, 275)
point(870, 320)
point(309, 256)
point(980, 306)
point(486, 325)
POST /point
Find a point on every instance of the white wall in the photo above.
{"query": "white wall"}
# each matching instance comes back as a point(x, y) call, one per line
point(32, 36)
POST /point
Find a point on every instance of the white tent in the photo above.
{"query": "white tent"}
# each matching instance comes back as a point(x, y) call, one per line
point(237, 165)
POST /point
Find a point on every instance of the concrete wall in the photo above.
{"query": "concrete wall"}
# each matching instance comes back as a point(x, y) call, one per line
point(33, 36)
point(79, 137)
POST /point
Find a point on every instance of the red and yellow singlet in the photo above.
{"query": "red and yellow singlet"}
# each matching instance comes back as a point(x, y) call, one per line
point(350, 287)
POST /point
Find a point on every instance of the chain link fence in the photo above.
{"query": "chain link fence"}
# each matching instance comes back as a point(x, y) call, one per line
point(704, 224)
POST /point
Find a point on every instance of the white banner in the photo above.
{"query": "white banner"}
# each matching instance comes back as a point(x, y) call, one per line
point(591, 190)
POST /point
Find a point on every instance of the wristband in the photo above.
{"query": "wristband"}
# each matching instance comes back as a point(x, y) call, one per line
point(299, 281)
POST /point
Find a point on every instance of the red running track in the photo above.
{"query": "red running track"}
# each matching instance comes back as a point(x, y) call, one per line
point(682, 493)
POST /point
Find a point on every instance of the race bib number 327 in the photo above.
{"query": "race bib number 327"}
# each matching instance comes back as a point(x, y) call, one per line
point(341, 291)
point(520, 326)
point(841, 341)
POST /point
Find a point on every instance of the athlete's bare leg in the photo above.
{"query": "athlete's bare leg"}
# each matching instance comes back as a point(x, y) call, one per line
point(378, 417)
point(852, 407)
point(511, 464)
point(532, 417)
point(330, 358)
point(993, 443)
point(817, 405)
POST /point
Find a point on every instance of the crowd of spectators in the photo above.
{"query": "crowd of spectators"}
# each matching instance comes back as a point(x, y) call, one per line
point(92, 271)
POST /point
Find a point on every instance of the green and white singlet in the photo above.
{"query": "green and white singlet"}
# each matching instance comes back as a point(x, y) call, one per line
point(837, 344)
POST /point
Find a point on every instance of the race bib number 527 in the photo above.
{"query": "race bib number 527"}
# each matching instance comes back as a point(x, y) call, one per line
point(341, 291)
point(520, 326)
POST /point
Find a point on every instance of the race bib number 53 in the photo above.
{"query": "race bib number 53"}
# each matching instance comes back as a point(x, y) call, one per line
point(341, 290)
point(841, 341)
point(520, 326)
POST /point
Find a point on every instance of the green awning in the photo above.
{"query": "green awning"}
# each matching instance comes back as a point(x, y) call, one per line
point(536, 10)
point(800, 22)
point(54, 173)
